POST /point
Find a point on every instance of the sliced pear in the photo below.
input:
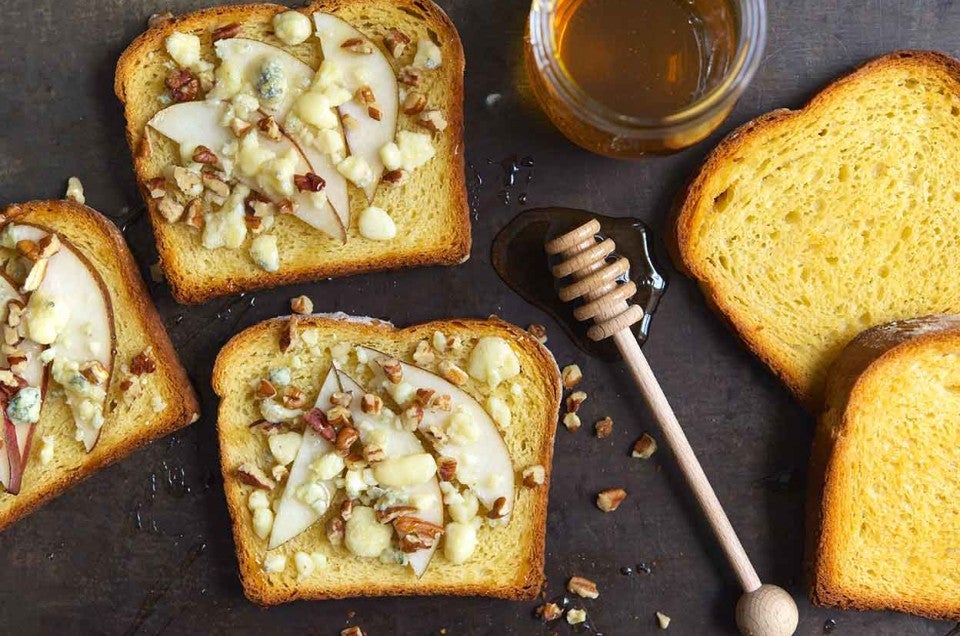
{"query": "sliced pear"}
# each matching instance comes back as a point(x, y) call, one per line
point(17, 438)
point(397, 442)
point(294, 516)
point(483, 463)
point(199, 123)
point(372, 70)
point(88, 333)
point(248, 56)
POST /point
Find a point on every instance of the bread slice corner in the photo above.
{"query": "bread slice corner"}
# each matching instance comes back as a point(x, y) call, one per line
point(884, 501)
point(508, 562)
point(804, 227)
point(168, 401)
point(430, 209)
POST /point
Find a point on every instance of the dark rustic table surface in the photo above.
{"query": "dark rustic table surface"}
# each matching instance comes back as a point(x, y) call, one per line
point(144, 547)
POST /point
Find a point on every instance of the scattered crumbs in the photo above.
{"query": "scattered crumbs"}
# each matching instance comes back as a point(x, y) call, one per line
point(663, 620)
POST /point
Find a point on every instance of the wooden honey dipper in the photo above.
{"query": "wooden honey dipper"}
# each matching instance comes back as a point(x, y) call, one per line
point(763, 610)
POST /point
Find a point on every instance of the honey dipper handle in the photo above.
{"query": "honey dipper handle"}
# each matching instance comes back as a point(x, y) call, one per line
point(643, 374)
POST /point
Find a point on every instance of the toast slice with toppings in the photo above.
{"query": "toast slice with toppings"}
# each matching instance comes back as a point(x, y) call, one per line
point(88, 373)
point(274, 146)
point(360, 459)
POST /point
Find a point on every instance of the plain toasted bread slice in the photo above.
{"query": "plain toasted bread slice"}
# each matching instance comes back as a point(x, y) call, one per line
point(167, 402)
point(508, 562)
point(884, 520)
point(805, 227)
point(430, 209)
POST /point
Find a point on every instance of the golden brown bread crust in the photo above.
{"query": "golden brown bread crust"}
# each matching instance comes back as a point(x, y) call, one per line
point(865, 355)
point(688, 206)
point(191, 291)
point(529, 579)
point(55, 215)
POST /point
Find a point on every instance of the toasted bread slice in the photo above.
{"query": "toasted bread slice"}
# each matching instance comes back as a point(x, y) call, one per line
point(805, 227)
point(508, 561)
point(430, 210)
point(167, 401)
point(884, 504)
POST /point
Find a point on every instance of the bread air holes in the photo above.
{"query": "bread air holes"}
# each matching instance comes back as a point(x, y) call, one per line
point(843, 173)
point(722, 201)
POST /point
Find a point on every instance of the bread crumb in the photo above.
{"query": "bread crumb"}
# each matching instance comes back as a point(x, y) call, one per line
point(75, 190)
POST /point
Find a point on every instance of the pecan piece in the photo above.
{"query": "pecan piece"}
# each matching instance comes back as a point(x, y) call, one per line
point(290, 335)
point(610, 499)
point(183, 85)
point(534, 476)
point(411, 417)
point(644, 448)
point(202, 154)
point(309, 182)
point(391, 514)
point(392, 369)
point(335, 530)
point(395, 177)
point(410, 76)
point(357, 45)
point(446, 468)
point(395, 42)
point(414, 103)
point(416, 534)
point(317, 420)
point(453, 373)
point(226, 31)
point(156, 187)
point(301, 305)
point(346, 509)
point(571, 376)
point(269, 126)
point(499, 509)
point(265, 389)
point(604, 428)
point(143, 363)
point(294, 398)
point(346, 438)
point(371, 404)
point(252, 475)
point(584, 588)
point(339, 417)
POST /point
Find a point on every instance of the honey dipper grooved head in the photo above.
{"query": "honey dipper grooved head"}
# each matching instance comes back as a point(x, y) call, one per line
point(597, 281)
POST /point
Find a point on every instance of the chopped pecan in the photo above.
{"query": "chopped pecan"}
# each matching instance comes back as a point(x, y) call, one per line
point(610, 499)
point(335, 531)
point(424, 396)
point(446, 468)
point(253, 223)
point(194, 214)
point(365, 95)
point(395, 42)
point(279, 472)
point(15, 309)
point(341, 398)
point(410, 76)
point(49, 245)
point(571, 376)
point(94, 372)
point(359, 46)
point(170, 210)
point(267, 428)
point(433, 120)
point(286, 206)
point(442, 402)
point(35, 277)
point(604, 428)
point(644, 448)
point(534, 476)
point(395, 177)
point(353, 630)
point(29, 249)
point(156, 187)
point(294, 398)
point(290, 335)
point(392, 369)
point(183, 85)
point(574, 400)
point(373, 454)
point(309, 182)
point(226, 31)
point(411, 417)
point(371, 404)
point(416, 534)
point(549, 612)
point(301, 305)
point(582, 587)
point(414, 103)
point(10, 335)
point(17, 362)
point(389, 515)
point(539, 332)
point(346, 438)
point(269, 127)
point(317, 420)
point(339, 417)
point(251, 474)
point(202, 154)
point(498, 509)
point(453, 373)
point(143, 362)
point(346, 509)
point(214, 183)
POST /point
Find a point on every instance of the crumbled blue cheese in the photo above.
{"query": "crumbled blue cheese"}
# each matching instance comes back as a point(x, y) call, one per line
point(302, 560)
point(375, 224)
point(357, 170)
point(262, 522)
point(364, 536)
point(415, 148)
point(327, 466)
point(47, 448)
point(331, 143)
point(279, 376)
point(251, 156)
point(264, 252)
point(499, 411)
point(271, 81)
point(285, 446)
point(392, 555)
point(391, 156)
point(275, 563)
point(184, 48)
point(229, 76)
point(315, 495)
point(459, 541)
point(227, 227)
point(315, 109)
point(46, 318)
point(292, 27)
point(273, 411)
point(276, 174)
point(84, 398)
point(492, 360)
point(24, 406)
point(428, 54)
point(461, 429)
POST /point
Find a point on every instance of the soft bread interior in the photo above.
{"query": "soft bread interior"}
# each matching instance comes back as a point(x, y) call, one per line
point(807, 227)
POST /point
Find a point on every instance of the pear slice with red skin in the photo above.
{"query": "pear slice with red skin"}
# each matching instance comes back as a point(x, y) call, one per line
point(294, 516)
point(369, 135)
point(199, 123)
point(400, 443)
point(89, 332)
point(483, 465)
point(250, 55)
point(17, 439)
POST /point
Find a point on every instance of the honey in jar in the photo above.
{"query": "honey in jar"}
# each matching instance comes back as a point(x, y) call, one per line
point(627, 78)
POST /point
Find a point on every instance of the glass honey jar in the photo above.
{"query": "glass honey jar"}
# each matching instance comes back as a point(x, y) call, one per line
point(628, 78)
